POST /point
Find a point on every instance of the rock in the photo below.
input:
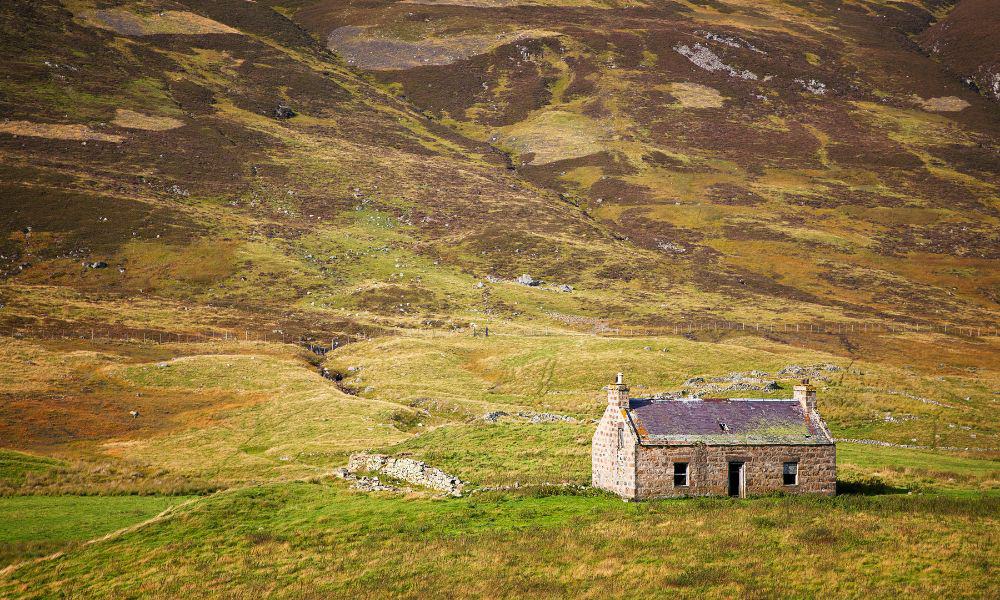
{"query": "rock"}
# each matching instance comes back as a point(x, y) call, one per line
point(704, 58)
point(407, 469)
point(494, 416)
point(695, 381)
point(283, 111)
point(134, 414)
point(550, 418)
point(528, 280)
point(98, 265)
point(671, 247)
point(812, 86)
point(565, 288)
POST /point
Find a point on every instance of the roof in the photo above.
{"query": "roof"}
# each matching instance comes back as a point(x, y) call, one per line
point(731, 421)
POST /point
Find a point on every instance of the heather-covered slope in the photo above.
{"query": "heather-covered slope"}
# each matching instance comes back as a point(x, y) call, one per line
point(240, 241)
point(807, 151)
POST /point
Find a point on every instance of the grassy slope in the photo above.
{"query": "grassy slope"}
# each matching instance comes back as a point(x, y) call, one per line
point(32, 526)
point(314, 540)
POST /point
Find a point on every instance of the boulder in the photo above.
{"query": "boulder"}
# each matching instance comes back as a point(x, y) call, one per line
point(283, 111)
point(528, 280)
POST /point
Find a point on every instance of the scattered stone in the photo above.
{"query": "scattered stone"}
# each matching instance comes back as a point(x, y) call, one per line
point(134, 414)
point(537, 418)
point(533, 418)
point(480, 285)
point(671, 247)
point(731, 41)
point(98, 265)
point(694, 381)
point(494, 416)
point(528, 280)
point(407, 469)
point(565, 288)
point(812, 86)
point(283, 111)
point(704, 58)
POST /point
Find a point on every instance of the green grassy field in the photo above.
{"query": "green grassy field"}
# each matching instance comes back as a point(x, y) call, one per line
point(32, 526)
point(316, 540)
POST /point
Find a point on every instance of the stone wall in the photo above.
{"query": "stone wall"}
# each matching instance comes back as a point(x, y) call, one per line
point(613, 463)
point(406, 469)
point(708, 469)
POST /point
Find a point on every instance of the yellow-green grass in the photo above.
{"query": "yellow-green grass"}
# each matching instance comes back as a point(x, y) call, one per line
point(295, 540)
point(460, 376)
point(506, 453)
point(32, 526)
point(15, 467)
point(915, 470)
point(302, 424)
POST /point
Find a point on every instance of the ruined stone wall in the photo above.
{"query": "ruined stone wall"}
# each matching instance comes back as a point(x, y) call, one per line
point(406, 469)
point(613, 463)
point(708, 469)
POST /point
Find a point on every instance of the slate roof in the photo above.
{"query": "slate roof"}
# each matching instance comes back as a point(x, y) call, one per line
point(732, 421)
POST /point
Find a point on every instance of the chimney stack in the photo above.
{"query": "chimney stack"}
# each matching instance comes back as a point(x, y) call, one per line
point(618, 393)
point(805, 393)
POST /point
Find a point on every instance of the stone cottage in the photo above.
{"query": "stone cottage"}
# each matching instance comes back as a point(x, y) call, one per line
point(656, 448)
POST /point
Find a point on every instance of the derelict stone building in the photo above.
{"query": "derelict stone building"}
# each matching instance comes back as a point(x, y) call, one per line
point(655, 448)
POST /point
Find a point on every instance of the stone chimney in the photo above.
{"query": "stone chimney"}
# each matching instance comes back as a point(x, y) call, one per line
point(618, 393)
point(805, 393)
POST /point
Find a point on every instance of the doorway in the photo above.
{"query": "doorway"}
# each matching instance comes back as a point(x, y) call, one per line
point(737, 481)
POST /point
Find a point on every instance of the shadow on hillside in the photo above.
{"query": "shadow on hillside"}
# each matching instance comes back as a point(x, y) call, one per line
point(867, 487)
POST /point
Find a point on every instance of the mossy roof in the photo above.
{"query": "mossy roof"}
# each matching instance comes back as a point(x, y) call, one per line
point(725, 421)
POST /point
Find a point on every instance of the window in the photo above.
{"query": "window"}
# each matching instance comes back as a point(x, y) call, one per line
point(790, 473)
point(621, 436)
point(680, 474)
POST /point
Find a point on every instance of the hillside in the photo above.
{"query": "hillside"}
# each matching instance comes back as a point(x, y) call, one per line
point(244, 240)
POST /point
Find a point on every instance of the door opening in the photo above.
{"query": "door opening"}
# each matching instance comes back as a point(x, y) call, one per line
point(737, 483)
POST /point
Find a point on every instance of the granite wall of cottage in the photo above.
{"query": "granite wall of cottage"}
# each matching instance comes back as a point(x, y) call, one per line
point(708, 469)
point(613, 454)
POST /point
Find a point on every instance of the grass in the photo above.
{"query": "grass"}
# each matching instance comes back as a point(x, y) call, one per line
point(312, 539)
point(917, 469)
point(16, 466)
point(506, 454)
point(32, 526)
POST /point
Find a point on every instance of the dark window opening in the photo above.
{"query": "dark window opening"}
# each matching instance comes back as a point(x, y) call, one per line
point(790, 473)
point(621, 437)
point(680, 474)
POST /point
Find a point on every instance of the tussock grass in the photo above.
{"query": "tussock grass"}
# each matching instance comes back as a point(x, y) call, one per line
point(302, 539)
